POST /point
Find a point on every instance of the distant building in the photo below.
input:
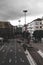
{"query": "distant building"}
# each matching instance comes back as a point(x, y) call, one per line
point(5, 24)
point(6, 29)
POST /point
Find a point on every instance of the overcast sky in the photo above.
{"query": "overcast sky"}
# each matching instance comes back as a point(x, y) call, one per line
point(13, 9)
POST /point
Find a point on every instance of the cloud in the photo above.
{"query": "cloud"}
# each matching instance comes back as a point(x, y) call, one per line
point(13, 9)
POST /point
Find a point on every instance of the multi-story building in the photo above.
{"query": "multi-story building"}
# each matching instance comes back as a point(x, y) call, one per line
point(36, 24)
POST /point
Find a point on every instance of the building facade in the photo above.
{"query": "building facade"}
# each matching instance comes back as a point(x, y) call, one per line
point(36, 24)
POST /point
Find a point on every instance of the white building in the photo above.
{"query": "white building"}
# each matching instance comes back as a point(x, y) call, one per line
point(42, 23)
point(36, 24)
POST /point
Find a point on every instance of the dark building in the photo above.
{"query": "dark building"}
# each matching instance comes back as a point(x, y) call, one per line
point(6, 29)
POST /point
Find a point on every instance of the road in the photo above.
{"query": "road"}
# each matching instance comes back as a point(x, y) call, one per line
point(37, 57)
point(13, 54)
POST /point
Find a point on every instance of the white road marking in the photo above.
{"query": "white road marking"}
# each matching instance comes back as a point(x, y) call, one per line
point(29, 57)
point(2, 47)
point(10, 60)
point(40, 53)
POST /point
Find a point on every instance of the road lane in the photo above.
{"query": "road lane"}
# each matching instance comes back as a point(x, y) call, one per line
point(13, 54)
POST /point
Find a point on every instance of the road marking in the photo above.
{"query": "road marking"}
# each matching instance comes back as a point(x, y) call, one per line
point(2, 47)
point(40, 53)
point(29, 57)
point(10, 60)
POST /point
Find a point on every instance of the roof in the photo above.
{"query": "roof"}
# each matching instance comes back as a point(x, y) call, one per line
point(38, 19)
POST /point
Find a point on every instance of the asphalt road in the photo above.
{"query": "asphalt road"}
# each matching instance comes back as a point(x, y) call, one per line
point(13, 54)
point(38, 59)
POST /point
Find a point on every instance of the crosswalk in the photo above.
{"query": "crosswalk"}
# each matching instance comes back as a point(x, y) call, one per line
point(2, 47)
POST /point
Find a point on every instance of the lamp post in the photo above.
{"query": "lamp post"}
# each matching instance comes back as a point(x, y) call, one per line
point(25, 11)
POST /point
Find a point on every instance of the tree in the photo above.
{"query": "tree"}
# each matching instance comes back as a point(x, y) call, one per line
point(38, 34)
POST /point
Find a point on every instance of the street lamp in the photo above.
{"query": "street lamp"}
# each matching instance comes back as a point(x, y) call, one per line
point(25, 11)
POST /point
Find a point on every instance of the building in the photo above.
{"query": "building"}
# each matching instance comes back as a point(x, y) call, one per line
point(36, 24)
point(6, 29)
point(4, 24)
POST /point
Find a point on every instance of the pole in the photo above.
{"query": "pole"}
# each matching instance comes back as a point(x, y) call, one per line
point(25, 21)
point(19, 23)
point(25, 11)
point(13, 31)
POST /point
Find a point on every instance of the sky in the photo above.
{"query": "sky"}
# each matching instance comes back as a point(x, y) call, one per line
point(12, 10)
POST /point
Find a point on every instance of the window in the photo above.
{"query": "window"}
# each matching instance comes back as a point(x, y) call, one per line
point(40, 26)
point(37, 27)
point(36, 23)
